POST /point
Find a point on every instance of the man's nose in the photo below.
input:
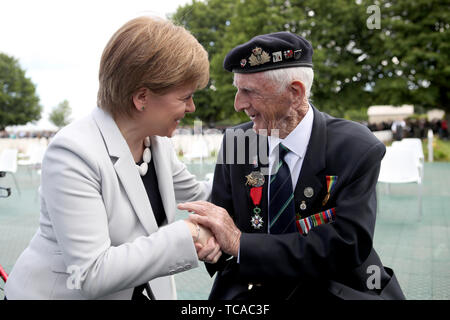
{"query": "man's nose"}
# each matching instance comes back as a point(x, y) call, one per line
point(240, 103)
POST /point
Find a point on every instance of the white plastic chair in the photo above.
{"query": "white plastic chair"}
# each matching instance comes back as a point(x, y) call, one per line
point(415, 145)
point(33, 158)
point(8, 164)
point(401, 165)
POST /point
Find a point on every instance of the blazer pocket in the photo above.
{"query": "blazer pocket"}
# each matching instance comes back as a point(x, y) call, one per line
point(57, 264)
point(347, 293)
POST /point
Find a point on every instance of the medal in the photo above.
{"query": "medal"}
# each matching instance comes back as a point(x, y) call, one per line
point(308, 192)
point(303, 205)
point(255, 195)
point(257, 221)
point(331, 182)
point(325, 200)
point(255, 179)
point(306, 224)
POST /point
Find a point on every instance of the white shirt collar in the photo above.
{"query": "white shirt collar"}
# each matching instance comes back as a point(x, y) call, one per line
point(297, 141)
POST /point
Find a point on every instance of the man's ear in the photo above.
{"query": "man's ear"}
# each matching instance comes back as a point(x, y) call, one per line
point(140, 98)
point(298, 91)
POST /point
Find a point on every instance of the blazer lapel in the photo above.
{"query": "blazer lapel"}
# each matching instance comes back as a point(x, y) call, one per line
point(124, 165)
point(310, 182)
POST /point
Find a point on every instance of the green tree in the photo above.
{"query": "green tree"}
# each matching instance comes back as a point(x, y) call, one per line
point(208, 22)
point(19, 102)
point(415, 53)
point(60, 114)
point(404, 61)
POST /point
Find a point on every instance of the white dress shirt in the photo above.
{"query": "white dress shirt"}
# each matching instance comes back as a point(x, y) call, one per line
point(297, 143)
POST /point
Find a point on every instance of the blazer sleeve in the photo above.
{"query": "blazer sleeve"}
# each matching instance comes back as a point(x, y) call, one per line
point(328, 249)
point(71, 189)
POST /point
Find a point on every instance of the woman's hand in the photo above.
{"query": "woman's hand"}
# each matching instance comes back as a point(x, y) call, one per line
point(218, 221)
point(207, 248)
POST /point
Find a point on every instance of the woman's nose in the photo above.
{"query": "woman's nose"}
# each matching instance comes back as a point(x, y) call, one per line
point(190, 107)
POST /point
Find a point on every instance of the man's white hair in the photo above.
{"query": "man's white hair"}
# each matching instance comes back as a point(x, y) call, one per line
point(284, 77)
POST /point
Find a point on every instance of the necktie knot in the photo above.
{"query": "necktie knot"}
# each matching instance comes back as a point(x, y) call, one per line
point(283, 150)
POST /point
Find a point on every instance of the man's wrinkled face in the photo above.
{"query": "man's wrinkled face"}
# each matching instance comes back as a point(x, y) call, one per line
point(260, 99)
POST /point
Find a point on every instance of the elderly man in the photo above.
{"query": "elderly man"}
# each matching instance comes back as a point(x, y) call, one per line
point(295, 219)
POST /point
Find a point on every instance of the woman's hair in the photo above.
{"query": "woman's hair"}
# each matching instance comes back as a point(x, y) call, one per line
point(284, 77)
point(148, 52)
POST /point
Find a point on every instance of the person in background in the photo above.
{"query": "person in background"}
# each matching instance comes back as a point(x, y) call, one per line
point(110, 181)
point(397, 129)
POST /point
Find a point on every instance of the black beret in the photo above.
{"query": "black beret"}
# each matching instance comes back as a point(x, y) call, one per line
point(270, 51)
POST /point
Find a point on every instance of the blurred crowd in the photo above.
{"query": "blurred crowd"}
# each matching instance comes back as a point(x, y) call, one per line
point(413, 128)
point(26, 134)
point(409, 128)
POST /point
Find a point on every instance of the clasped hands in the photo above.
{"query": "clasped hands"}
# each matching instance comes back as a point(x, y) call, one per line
point(217, 230)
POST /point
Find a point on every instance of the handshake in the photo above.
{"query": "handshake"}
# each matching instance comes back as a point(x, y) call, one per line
point(213, 230)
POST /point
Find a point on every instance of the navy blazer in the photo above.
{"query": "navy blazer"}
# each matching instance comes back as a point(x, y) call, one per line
point(335, 259)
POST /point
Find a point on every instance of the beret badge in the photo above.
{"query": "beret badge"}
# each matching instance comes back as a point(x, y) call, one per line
point(259, 56)
point(269, 52)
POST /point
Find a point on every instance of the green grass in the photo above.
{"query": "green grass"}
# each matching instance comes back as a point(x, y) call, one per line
point(441, 150)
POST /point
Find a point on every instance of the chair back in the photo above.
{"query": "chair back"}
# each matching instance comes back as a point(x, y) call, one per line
point(37, 154)
point(415, 144)
point(8, 160)
point(400, 165)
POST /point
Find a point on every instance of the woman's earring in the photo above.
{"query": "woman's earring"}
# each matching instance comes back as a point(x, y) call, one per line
point(142, 108)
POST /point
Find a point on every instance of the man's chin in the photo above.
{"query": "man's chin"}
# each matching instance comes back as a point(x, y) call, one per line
point(258, 129)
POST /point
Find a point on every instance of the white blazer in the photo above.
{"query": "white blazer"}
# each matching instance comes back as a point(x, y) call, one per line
point(98, 237)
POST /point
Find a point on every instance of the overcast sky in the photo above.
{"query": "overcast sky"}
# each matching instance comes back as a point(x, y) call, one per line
point(59, 43)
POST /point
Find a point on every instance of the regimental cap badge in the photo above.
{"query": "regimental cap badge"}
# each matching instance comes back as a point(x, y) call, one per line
point(277, 57)
point(259, 56)
point(288, 54)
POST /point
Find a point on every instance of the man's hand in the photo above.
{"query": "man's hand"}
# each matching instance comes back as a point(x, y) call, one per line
point(218, 221)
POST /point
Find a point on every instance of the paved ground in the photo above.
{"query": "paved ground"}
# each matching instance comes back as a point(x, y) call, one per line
point(417, 251)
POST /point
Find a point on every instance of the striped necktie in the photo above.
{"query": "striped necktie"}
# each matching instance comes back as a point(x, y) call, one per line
point(281, 205)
